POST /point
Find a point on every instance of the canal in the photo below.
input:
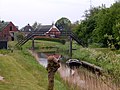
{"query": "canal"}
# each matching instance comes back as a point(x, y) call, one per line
point(81, 78)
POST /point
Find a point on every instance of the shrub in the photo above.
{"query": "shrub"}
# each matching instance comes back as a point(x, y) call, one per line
point(52, 39)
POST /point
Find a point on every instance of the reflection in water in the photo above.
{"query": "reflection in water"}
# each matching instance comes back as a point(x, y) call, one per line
point(43, 62)
point(71, 76)
point(83, 79)
point(66, 73)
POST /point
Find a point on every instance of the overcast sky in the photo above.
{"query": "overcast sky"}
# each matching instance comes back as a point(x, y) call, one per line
point(22, 12)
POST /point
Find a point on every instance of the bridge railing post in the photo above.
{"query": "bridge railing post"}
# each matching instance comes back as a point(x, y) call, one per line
point(70, 49)
point(33, 46)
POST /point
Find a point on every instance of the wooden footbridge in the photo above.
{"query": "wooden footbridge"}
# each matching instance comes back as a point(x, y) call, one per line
point(34, 33)
point(42, 33)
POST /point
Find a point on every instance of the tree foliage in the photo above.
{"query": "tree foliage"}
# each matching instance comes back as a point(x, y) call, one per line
point(63, 24)
point(100, 24)
point(36, 25)
point(19, 36)
point(85, 28)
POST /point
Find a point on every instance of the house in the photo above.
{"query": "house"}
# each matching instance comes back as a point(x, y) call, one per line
point(27, 29)
point(7, 30)
point(53, 32)
point(46, 30)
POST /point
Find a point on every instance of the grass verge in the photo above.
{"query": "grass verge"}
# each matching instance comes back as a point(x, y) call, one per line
point(22, 72)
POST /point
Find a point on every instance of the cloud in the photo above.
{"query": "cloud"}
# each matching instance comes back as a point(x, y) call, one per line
point(44, 11)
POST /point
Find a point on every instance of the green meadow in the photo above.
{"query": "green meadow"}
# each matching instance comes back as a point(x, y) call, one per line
point(22, 72)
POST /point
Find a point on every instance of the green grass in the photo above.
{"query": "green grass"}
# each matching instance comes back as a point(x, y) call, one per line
point(106, 58)
point(19, 73)
point(22, 72)
point(35, 76)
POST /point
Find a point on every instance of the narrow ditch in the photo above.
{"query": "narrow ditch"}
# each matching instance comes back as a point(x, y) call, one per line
point(80, 78)
point(85, 80)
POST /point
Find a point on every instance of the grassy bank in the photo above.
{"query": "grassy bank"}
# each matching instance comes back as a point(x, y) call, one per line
point(22, 72)
point(106, 58)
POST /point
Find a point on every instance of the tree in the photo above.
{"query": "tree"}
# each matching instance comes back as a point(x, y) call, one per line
point(108, 23)
point(63, 24)
point(19, 36)
point(102, 26)
point(36, 25)
point(86, 27)
point(98, 23)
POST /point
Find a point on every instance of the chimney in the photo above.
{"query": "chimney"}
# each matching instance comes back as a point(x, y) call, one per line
point(2, 21)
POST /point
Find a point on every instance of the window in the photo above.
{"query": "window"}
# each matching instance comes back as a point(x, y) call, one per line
point(10, 28)
point(29, 29)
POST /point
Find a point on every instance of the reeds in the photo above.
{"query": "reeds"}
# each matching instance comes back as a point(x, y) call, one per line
point(82, 79)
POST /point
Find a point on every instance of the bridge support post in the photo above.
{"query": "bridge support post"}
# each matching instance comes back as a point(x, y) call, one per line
point(33, 46)
point(70, 49)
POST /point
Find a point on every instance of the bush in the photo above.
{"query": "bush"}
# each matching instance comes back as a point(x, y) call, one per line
point(4, 51)
point(19, 36)
point(52, 39)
